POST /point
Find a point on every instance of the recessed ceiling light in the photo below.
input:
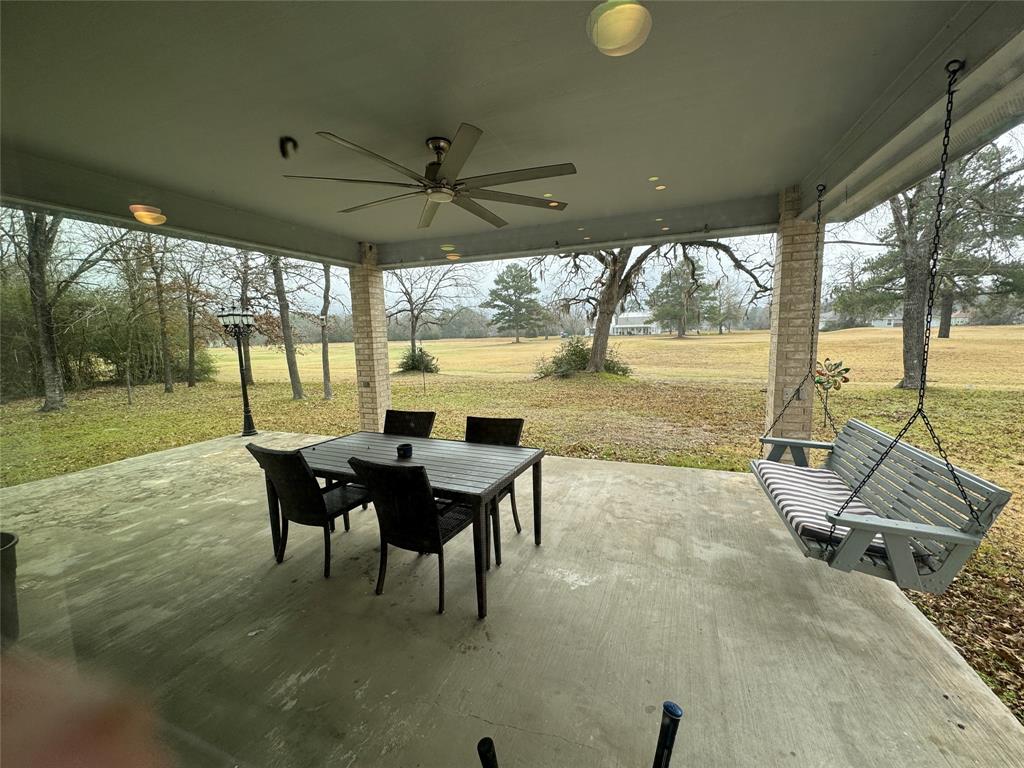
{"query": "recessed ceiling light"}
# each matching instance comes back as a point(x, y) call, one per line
point(447, 247)
point(580, 229)
point(548, 194)
point(659, 219)
point(618, 27)
point(652, 178)
point(553, 204)
point(453, 256)
point(661, 187)
point(664, 229)
point(586, 237)
point(147, 214)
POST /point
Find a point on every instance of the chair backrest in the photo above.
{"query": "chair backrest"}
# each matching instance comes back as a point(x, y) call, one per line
point(404, 502)
point(408, 423)
point(480, 429)
point(297, 489)
point(911, 484)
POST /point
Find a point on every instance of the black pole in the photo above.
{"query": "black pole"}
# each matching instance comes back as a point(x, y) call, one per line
point(485, 749)
point(248, 427)
point(671, 714)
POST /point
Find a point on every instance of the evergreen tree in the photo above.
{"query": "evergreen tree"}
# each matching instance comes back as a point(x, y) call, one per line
point(513, 302)
point(677, 301)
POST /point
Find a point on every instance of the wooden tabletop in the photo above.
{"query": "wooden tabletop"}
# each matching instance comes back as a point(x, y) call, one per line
point(455, 468)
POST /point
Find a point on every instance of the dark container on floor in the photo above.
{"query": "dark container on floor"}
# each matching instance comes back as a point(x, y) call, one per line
point(8, 594)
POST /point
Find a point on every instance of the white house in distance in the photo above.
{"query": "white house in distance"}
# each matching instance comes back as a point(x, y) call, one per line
point(896, 321)
point(631, 324)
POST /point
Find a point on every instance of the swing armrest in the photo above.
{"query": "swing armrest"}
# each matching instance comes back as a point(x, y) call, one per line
point(772, 440)
point(884, 525)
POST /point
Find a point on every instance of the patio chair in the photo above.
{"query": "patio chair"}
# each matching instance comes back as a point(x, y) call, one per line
point(409, 516)
point(408, 423)
point(301, 498)
point(490, 431)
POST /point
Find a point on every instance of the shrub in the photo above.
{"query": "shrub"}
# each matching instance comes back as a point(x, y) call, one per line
point(418, 360)
point(572, 356)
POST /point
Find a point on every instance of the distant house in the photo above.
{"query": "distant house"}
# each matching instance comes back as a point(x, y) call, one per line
point(960, 318)
point(631, 324)
point(889, 321)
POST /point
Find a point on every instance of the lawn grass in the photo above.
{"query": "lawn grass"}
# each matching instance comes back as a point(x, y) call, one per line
point(693, 402)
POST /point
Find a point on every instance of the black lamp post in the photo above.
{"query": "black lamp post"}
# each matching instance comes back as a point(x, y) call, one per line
point(240, 325)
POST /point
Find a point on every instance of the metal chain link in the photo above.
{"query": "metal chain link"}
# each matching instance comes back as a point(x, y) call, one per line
point(953, 68)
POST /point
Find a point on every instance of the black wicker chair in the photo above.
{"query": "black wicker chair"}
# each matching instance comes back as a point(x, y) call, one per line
point(497, 432)
point(409, 516)
point(408, 423)
point(301, 498)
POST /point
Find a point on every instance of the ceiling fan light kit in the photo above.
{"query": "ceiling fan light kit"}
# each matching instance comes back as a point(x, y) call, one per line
point(440, 183)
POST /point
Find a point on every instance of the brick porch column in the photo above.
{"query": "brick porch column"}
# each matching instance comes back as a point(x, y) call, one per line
point(793, 331)
point(370, 333)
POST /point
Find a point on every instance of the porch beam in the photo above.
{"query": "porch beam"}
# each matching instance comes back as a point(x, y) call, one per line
point(370, 334)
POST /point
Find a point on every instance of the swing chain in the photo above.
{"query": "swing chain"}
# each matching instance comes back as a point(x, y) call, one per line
point(811, 362)
point(953, 68)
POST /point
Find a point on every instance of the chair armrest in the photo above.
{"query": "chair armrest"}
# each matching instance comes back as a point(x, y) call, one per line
point(884, 525)
point(770, 440)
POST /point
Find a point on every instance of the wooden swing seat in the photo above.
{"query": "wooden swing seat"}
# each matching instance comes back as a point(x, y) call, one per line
point(908, 524)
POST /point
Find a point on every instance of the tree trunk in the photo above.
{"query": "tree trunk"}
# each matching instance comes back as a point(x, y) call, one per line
point(128, 376)
point(190, 330)
point(38, 256)
point(915, 299)
point(606, 305)
point(945, 313)
point(517, 335)
point(161, 312)
point(324, 343)
point(413, 327)
point(286, 329)
point(243, 303)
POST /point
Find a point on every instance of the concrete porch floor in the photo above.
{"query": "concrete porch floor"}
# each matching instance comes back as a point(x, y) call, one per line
point(652, 583)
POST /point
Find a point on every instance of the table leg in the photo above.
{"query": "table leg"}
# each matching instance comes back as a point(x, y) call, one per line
point(479, 553)
point(273, 507)
point(536, 503)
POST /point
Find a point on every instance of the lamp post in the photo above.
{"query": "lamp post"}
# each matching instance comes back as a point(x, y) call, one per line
point(239, 324)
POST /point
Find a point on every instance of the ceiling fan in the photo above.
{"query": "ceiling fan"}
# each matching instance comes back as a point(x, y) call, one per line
point(440, 182)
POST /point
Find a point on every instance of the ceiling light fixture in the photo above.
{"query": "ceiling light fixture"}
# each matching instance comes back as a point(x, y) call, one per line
point(659, 219)
point(548, 194)
point(661, 187)
point(447, 247)
point(618, 27)
point(652, 178)
point(580, 229)
point(586, 237)
point(440, 195)
point(453, 256)
point(664, 229)
point(147, 214)
point(552, 204)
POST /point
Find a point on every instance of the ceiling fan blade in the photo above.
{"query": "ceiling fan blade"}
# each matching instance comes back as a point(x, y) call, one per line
point(523, 174)
point(380, 202)
point(478, 210)
point(373, 156)
point(462, 145)
point(429, 209)
point(506, 197)
point(356, 181)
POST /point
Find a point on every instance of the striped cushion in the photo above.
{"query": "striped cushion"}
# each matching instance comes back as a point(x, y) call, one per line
point(803, 495)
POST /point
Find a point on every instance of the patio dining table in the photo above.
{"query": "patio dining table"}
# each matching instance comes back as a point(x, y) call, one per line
point(472, 473)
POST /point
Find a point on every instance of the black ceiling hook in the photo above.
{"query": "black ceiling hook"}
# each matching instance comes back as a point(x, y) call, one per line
point(283, 144)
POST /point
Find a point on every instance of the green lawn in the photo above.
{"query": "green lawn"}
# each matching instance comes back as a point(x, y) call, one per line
point(693, 402)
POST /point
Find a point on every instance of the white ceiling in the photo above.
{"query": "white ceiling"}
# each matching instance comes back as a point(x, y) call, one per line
point(181, 105)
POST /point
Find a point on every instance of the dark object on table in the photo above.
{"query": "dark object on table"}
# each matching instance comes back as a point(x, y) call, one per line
point(485, 749)
point(671, 714)
point(497, 432)
point(294, 495)
point(9, 626)
point(405, 451)
point(409, 516)
point(408, 423)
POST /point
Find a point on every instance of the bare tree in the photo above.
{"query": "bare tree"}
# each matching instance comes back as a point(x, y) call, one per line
point(190, 264)
point(427, 296)
point(286, 327)
point(248, 277)
point(154, 250)
point(325, 351)
point(52, 265)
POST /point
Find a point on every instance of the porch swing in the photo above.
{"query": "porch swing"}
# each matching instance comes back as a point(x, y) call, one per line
point(878, 505)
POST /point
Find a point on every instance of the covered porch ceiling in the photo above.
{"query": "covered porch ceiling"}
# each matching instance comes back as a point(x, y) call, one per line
point(181, 105)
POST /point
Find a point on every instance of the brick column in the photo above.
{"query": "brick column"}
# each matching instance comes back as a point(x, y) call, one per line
point(370, 332)
point(794, 332)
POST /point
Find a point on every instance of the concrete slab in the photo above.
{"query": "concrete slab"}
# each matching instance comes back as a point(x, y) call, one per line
point(652, 583)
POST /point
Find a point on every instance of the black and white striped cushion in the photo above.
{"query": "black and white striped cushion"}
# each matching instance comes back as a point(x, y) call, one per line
point(805, 494)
